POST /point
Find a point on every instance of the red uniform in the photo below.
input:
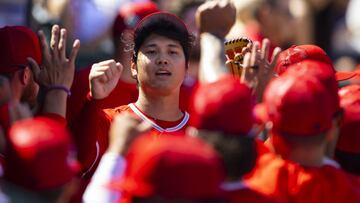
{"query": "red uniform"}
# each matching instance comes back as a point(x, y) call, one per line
point(289, 182)
point(240, 193)
point(94, 137)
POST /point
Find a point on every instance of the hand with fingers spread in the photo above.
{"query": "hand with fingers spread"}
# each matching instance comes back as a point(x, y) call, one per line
point(216, 17)
point(56, 68)
point(103, 78)
point(57, 71)
point(258, 69)
point(123, 131)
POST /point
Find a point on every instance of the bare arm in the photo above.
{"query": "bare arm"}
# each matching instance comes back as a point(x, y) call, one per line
point(214, 20)
point(57, 72)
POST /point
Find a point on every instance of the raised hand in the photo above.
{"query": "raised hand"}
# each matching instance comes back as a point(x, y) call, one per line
point(258, 69)
point(56, 68)
point(103, 78)
point(123, 131)
point(216, 17)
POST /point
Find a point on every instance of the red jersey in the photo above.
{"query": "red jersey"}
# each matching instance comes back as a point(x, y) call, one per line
point(95, 138)
point(240, 193)
point(289, 182)
point(84, 116)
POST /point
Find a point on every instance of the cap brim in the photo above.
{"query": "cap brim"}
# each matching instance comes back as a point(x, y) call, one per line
point(340, 76)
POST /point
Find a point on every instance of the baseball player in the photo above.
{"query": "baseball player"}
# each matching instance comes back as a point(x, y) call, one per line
point(161, 49)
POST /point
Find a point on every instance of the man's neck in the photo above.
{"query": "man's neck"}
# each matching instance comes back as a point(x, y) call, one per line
point(164, 108)
point(307, 157)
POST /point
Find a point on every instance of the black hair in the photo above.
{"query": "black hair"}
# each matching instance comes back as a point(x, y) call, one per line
point(238, 152)
point(300, 140)
point(163, 24)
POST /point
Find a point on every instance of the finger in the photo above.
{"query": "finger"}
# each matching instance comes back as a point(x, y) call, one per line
point(97, 74)
point(34, 68)
point(119, 68)
point(246, 67)
point(54, 41)
point(275, 56)
point(245, 50)
point(249, 45)
point(44, 46)
point(247, 59)
point(103, 78)
point(62, 44)
point(254, 53)
point(109, 73)
point(74, 51)
point(265, 49)
point(107, 62)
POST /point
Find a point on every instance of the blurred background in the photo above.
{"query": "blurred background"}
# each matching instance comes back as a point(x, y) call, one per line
point(333, 25)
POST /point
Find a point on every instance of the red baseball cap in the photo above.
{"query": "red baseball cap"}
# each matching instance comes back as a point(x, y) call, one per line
point(322, 71)
point(171, 167)
point(356, 78)
point(225, 105)
point(131, 13)
point(298, 105)
point(38, 155)
point(299, 53)
point(349, 138)
point(349, 95)
point(18, 43)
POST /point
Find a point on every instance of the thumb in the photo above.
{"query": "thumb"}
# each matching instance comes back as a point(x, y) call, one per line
point(34, 68)
point(119, 68)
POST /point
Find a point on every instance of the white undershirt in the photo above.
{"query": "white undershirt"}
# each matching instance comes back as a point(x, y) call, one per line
point(111, 166)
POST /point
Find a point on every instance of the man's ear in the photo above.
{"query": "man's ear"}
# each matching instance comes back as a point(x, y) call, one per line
point(25, 76)
point(133, 70)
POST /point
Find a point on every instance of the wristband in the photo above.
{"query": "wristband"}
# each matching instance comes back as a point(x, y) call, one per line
point(59, 87)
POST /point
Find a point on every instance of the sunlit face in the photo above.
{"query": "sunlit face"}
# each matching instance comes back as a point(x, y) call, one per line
point(161, 66)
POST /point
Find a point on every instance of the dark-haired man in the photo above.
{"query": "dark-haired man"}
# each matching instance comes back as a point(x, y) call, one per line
point(161, 49)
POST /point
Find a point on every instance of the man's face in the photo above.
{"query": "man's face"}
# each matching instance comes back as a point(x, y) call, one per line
point(160, 65)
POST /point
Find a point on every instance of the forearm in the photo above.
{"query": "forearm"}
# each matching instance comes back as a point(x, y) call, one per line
point(212, 61)
point(55, 102)
point(111, 167)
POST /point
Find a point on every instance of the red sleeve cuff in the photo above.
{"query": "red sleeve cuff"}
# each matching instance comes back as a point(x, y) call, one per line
point(55, 117)
point(99, 103)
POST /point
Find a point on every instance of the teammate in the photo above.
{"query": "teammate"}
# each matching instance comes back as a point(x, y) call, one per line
point(162, 46)
point(22, 54)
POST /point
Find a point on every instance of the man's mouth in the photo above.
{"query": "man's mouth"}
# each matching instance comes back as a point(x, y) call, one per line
point(163, 72)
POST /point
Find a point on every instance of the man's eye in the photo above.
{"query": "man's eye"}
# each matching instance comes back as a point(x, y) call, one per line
point(173, 52)
point(150, 52)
